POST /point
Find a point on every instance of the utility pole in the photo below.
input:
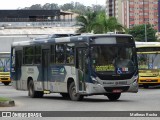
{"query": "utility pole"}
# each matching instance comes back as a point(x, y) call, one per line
point(145, 32)
point(145, 27)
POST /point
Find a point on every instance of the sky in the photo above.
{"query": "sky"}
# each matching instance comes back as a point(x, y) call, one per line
point(15, 4)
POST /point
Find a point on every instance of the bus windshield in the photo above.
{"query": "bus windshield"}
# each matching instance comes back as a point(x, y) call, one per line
point(148, 60)
point(113, 59)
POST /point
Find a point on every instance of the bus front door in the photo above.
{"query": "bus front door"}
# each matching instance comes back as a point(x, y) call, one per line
point(18, 62)
point(45, 69)
point(81, 69)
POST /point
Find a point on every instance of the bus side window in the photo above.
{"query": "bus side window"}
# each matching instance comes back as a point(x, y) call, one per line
point(37, 55)
point(29, 55)
point(52, 58)
point(60, 53)
point(70, 53)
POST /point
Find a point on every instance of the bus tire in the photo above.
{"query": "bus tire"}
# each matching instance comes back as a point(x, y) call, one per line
point(31, 90)
point(65, 95)
point(113, 96)
point(40, 94)
point(72, 93)
point(6, 83)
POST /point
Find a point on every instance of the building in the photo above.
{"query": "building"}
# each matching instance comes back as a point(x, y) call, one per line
point(135, 12)
point(143, 12)
point(125, 13)
point(22, 25)
point(36, 18)
point(114, 9)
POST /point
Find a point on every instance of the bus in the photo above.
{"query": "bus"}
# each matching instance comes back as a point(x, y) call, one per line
point(76, 66)
point(5, 68)
point(148, 55)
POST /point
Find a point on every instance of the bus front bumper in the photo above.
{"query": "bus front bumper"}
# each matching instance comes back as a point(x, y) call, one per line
point(130, 86)
point(5, 79)
point(149, 80)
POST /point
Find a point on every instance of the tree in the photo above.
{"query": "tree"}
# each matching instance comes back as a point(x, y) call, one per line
point(101, 24)
point(73, 6)
point(36, 7)
point(49, 6)
point(97, 8)
point(80, 8)
point(98, 23)
point(86, 22)
point(138, 32)
point(67, 6)
point(104, 24)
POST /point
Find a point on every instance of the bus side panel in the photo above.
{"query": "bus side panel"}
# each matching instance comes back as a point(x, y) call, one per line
point(31, 73)
point(69, 73)
point(58, 75)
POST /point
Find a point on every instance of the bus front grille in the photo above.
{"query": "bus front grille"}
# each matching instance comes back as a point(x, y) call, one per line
point(4, 78)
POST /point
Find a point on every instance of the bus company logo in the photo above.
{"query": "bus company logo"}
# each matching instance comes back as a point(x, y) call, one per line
point(116, 83)
point(6, 114)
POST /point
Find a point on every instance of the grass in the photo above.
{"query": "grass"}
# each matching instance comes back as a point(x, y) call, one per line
point(2, 99)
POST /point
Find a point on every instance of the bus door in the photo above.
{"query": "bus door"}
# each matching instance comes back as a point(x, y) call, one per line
point(45, 69)
point(18, 62)
point(81, 68)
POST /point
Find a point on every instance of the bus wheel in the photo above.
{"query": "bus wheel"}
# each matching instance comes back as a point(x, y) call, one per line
point(65, 95)
point(113, 96)
point(145, 86)
point(72, 93)
point(31, 91)
point(6, 83)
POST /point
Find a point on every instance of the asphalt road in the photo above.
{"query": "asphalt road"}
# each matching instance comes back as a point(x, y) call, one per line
point(144, 100)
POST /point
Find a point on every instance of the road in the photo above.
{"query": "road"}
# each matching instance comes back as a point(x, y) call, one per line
point(144, 100)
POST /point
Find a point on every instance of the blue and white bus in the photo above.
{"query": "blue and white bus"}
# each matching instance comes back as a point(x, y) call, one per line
point(76, 66)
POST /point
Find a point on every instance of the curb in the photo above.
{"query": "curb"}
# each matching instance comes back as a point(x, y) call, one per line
point(9, 103)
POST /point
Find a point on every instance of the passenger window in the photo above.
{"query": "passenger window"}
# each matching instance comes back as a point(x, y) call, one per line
point(37, 54)
point(60, 53)
point(70, 50)
point(29, 55)
point(52, 54)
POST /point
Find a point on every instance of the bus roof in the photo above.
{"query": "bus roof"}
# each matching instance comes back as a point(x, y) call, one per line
point(147, 44)
point(78, 38)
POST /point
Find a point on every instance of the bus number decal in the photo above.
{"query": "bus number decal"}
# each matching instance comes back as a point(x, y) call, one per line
point(105, 68)
point(30, 70)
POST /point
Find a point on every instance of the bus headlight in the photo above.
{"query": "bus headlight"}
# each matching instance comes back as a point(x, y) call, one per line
point(135, 80)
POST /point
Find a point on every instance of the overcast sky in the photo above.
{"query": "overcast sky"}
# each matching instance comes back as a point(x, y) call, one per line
point(14, 4)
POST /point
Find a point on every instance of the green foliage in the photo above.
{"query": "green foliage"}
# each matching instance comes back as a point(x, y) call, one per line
point(35, 7)
point(100, 25)
point(49, 6)
point(98, 22)
point(67, 6)
point(138, 33)
point(72, 6)
point(86, 22)
point(2, 99)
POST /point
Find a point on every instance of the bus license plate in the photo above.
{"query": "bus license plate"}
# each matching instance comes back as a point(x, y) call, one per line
point(117, 91)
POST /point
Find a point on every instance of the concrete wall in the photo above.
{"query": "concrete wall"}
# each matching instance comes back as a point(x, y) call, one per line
point(6, 41)
point(9, 35)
